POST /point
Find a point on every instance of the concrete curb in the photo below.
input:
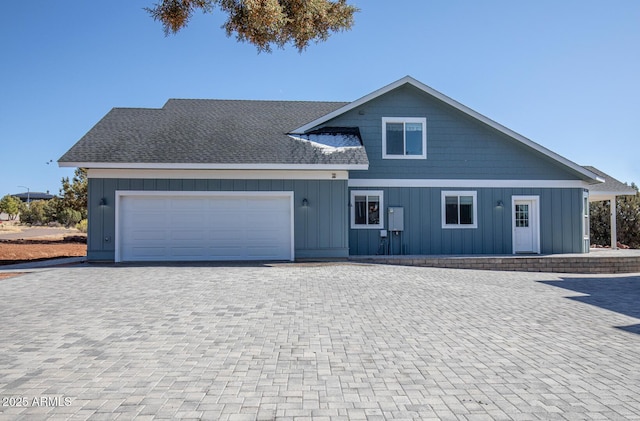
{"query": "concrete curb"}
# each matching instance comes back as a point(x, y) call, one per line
point(44, 263)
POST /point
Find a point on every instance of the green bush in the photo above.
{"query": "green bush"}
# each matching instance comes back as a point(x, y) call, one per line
point(12, 206)
point(82, 226)
point(35, 213)
point(69, 217)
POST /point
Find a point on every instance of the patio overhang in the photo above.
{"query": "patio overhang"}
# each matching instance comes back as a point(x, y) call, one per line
point(609, 191)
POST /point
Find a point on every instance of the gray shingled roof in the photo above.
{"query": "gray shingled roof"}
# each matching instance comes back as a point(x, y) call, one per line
point(196, 131)
point(611, 186)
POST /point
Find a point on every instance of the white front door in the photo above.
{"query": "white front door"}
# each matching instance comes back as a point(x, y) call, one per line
point(525, 216)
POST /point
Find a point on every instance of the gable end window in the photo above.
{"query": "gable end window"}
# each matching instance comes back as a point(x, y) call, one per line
point(366, 209)
point(404, 138)
point(459, 209)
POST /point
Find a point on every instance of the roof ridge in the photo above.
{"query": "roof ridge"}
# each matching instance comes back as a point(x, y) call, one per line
point(257, 100)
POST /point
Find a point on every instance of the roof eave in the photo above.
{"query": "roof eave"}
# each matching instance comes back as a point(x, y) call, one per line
point(213, 166)
point(606, 195)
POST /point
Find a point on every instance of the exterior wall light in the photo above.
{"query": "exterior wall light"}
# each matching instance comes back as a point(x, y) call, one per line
point(103, 202)
point(305, 202)
point(500, 204)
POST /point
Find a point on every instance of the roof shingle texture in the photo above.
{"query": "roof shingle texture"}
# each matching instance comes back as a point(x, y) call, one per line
point(610, 185)
point(201, 131)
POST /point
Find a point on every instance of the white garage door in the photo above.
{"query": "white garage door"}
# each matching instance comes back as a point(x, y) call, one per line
point(156, 226)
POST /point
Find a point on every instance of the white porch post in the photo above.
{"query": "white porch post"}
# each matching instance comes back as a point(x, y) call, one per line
point(614, 234)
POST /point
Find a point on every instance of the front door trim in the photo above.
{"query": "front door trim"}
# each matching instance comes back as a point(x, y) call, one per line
point(534, 221)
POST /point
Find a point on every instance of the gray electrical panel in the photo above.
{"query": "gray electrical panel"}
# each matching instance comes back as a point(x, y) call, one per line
point(396, 219)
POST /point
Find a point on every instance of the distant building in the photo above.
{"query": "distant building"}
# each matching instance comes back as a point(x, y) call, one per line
point(31, 196)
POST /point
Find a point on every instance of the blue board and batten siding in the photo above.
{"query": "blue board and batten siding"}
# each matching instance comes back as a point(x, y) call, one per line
point(320, 229)
point(460, 147)
point(560, 223)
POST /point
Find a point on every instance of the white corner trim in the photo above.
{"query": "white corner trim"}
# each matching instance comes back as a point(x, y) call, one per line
point(455, 104)
point(453, 183)
point(217, 174)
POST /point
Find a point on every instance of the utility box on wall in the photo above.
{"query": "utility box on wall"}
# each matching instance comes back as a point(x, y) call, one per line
point(396, 219)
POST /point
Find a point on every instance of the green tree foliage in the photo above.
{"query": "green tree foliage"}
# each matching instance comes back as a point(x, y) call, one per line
point(628, 215)
point(69, 217)
point(73, 194)
point(264, 23)
point(599, 223)
point(627, 221)
point(12, 206)
point(41, 212)
point(35, 213)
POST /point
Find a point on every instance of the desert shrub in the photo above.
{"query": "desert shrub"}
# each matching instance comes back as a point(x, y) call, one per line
point(35, 213)
point(69, 217)
point(82, 226)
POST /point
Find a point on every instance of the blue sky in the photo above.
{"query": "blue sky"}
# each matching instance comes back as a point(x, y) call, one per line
point(562, 73)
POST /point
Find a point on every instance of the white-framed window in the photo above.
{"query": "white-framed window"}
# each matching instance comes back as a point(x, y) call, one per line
point(404, 138)
point(367, 209)
point(459, 209)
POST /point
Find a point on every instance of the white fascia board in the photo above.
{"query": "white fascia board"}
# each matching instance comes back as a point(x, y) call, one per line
point(188, 166)
point(217, 174)
point(604, 195)
point(455, 104)
point(452, 183)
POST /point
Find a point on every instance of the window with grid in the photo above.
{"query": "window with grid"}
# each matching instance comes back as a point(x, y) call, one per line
point(459, 209)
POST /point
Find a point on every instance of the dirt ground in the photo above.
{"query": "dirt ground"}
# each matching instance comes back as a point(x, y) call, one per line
point(18, 244)
point(16, 251)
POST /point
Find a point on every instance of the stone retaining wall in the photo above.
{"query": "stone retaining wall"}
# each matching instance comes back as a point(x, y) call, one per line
point(601, 265)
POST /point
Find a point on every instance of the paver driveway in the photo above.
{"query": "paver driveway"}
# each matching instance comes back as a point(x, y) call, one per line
point(327, 341)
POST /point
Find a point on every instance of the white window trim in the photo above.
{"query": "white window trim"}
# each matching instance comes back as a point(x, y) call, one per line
point(378, 193)
point(421, 120)
point(459, 193)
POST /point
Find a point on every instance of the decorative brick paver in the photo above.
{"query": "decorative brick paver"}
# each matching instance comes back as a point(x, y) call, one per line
point(317, 342)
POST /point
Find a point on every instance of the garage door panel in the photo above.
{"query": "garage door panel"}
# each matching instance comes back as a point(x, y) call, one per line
point(184, 204)
point(144, 253)
point(138, 219)
point(220, 220)
point(266, 220)
point(225, 236)
point(226, 252)
point(138, 235)
point(228, 204)
point(148, 204)
point(187, 235)
point(263, 235)
point(264, 253)
point(187, 220)
point(203, 227)
point(188, 252)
